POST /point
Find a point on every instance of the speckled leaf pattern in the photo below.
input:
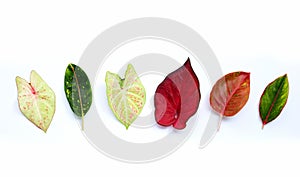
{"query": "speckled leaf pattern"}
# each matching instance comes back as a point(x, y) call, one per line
point(126, 97)
point(274, 99)
point(230, 93)
point(78, 91)
point(36, 100)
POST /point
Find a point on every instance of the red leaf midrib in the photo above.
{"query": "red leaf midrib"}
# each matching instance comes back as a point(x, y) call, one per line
point(273, 103)
point(233, 92)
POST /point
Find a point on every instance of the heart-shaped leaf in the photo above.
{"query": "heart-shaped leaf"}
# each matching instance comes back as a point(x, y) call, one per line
point(78, 91)
point(230, 93)
point(273, 99)
point(177, 98)
point(36, 100)
point(126, 97)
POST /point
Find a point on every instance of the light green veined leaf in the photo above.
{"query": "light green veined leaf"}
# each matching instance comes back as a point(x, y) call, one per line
point(126, 97)
point(36, 100)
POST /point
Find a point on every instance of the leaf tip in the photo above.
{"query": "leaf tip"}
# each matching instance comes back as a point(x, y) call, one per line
point(129, 65)
point(71, 64)
point(108, 73)
point(18, 78)
point(285, 76)
point(108, 76)
point(33, 72)
point(130, 69)
point(246, 73)
point(187, 62)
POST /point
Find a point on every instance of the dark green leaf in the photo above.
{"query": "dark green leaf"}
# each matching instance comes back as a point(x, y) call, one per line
point(274, 99)
point(78, 90)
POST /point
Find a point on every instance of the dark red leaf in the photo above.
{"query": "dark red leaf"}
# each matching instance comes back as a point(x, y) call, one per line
point(177, 98)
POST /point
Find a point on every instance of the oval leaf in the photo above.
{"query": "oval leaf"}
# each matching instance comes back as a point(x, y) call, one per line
point(177, 98)
point(78, 90)
point(274, 99)
point(230, 93)
point(36, 100)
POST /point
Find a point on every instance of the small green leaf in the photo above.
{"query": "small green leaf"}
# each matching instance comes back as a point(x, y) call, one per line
point(273, 99)
point(36, 100)
point(78, 90)
point(126, 97)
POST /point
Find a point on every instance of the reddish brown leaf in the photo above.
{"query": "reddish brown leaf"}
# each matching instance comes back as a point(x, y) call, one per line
point(177, 98)
point(230, 93)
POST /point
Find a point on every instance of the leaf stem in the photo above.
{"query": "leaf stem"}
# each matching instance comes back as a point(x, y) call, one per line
point(220, 121)
point(82, 123)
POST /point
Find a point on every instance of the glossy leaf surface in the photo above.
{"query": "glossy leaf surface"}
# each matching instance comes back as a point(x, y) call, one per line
point(36, 100)
point(273, 99)
point(78, 90)
point(126, 97)
point(230, 93)
point(177, 98)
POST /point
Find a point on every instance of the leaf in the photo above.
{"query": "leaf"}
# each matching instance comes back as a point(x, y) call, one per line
point(126, 97)
point(78, 91)
point(273, 99)
point(230, 93)
point(177, 98)
point(36, 100)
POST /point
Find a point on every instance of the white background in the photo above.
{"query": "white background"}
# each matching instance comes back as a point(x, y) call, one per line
point(259, 36)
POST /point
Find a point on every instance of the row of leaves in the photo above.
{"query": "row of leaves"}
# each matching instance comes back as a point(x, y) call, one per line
point(230, 94)
point(176, 98)
point(37, 101)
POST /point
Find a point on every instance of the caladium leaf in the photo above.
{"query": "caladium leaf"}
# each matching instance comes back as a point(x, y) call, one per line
point(78, 91)
point(177, 98)
point(273, 99)
point(126, 97)
point(36, 100)
point(230, 93)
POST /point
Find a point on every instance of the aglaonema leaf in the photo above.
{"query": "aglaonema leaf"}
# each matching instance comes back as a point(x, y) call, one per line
point(78, 91)
point(126, 97)
point(36, 100)
point(230, 94)
point(273, 99)
point(177, 98)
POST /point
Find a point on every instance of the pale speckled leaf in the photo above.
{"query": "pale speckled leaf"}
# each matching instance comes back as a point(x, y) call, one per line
point(126, 97)
point(36, 100)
